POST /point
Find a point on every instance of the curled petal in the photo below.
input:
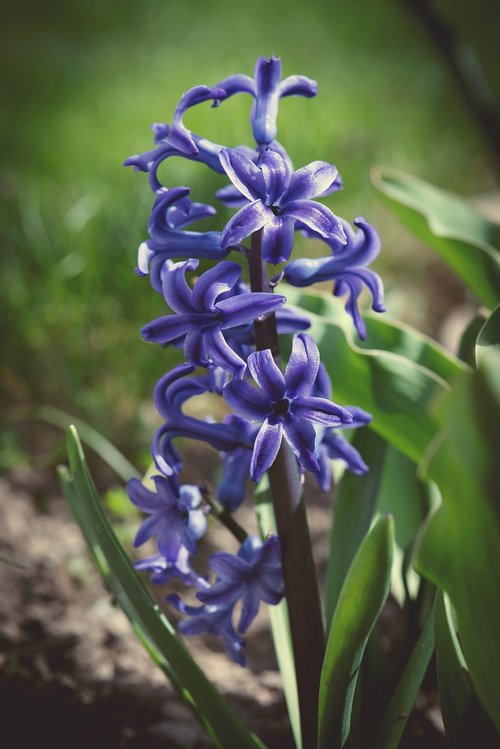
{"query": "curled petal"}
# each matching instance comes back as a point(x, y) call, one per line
point(298, 85)
point(142, 498)
point(267, 374)
point(220, 354)
point(320, 411)
point(236, 84)
point(243, 173)
point(246, 400)
point(238, 310)
point(317, 217)
point(303, 365)
point(179, 136)
point(301, 437)
point(195, 347)
point(248, 220)
point(176, 290)
point(310, 181)
point(267, 444)
point(215, 281)
point(277, 239)
point(197, 211)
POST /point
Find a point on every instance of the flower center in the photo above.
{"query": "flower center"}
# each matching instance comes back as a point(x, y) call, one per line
point(275, 210)
point(281, 407)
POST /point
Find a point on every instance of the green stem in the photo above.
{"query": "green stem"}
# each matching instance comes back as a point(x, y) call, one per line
point(224, 517)
point(301, 588)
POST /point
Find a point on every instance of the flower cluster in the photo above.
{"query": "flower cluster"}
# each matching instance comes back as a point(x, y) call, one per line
point(215, 318)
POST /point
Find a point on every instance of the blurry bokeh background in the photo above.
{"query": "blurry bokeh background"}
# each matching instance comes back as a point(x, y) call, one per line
point(82, 83)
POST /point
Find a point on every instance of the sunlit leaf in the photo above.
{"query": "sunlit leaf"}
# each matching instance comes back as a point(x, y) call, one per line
point(466, 240)
point(360, 602)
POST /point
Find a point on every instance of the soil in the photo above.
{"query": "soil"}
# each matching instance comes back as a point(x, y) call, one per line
point(72, 673)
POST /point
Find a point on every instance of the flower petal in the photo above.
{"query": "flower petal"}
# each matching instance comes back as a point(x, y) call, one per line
point(249, 219)
point(243, 173)
point(244, 308)
point(310, 181)
point(317, 217)
point(215, 281)
point(267, 445)
point(147, 529)
point(142, 498)
point(301, 437)
point(320, 411)
point(249, 609)
point(298, 85)
point(277, 238)
point(228, 567)
point(276, 172)
point(267, 374)
point(303, 365)
point(246, 400)
point(219, 353)
point(166, 329)
point(176, 289)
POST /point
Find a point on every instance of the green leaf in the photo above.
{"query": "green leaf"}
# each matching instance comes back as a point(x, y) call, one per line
point(360, 602)
point(146, 617)
point(467, 725)
point(355, 504)
point(466, 240)
point(404, 697)
point(278, 616)
point(102, 446)
point(396, 390)
point(459, 548)
point(488, 339)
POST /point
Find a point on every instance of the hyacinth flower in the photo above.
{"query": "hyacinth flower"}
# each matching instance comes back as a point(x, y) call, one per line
point(172, 211)
point(346, 267)
point(201, 319)
point(211, 620)
point(283, 405)
point(251, 576)
point(277, 199)
point(164, 570)
point(176, 518)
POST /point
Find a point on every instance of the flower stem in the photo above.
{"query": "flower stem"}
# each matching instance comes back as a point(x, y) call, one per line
point(301, 586)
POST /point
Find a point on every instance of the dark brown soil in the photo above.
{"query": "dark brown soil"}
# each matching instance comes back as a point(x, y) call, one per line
point(72, 673)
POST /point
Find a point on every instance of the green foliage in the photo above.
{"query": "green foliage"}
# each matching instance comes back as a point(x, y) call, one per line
point(363, 594)
point(150, 624)
point(459, 549)
point(466, 240)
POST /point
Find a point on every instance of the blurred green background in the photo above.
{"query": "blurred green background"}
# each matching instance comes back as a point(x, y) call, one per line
point(82, 83)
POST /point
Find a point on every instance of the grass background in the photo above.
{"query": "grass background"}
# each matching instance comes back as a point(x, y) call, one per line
point(82, 83)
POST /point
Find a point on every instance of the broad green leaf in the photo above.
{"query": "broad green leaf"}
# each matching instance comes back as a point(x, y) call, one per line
point(403, 699)
point(396, 390)
point(459, 548)
point(467, 725)
point(466, 240)
point(353, 512)
point(360, 602)
point(488, 340)
point(278, 616)
point(102, 446)
point(145, 615)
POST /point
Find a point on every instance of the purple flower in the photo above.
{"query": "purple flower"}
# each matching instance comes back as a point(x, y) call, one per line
point(283, 405)
point(175, 515)
point(172, 211)
point(252, 576)
point(201, 319)
point(346, 267)
point(236, 464)
point(267, 88)
point(277, 200)
point(171, 392)
point(213, 620)
point(163, 570)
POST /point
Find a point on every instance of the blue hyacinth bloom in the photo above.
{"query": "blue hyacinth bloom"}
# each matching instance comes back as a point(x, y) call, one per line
point(201, 317)
point(163, 570)
point(346, 267)
point(277, 199)
point(283, 405)
point(251, 576)
point(176, 518)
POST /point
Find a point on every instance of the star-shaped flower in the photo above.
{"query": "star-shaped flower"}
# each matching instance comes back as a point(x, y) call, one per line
point(277, 200)
point(252, 576)
point(283, 405)
point(175, 515)
point(201, 318)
